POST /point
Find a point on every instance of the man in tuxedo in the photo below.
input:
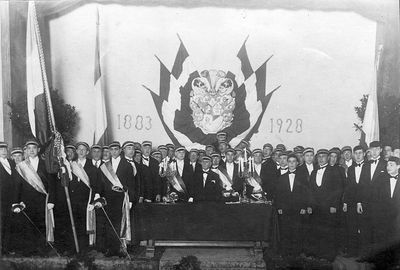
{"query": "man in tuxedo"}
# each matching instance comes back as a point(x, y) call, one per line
point(222, 147)
point(95, 154)
point(35, 188)
point(298, 150)
point(151, 184)
point(117, 187)
point(84, 177)
point(386, 206)
point(308, 166)
point(194, 160)
point(106, 155)
point(326, 192)
point(351, 199)
point(206, 185)
point(231, 172)
point(7, 187)
point(267, 152)
point(129, 152)
point(347, 158)
point(374, 167)
point(291, 200)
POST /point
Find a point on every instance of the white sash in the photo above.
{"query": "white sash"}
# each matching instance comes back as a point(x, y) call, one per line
point(225, 181)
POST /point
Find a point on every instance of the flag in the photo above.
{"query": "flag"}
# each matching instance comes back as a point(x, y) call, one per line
point(100, 129)
point(246, 68)
point(371, 116)
point(36, 79)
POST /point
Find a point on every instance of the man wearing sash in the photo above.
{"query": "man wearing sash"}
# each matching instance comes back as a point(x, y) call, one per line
point(151, 184)
point(95, 154)
point(229, 174)
point(84, 174)
point(70, 151)
point(222, 147)
point(258, 182)
point(7, 185)
point(206, 183)
point(129, 152)
point(179, 175)
point(117, 182)
point(35, 189)
point(17, 154)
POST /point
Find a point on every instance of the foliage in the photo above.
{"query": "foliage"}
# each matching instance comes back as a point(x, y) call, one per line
point(188, 263)
point(65, 116)
point(360, 110)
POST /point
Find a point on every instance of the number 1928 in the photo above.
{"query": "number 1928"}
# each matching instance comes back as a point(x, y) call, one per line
point(288, 125)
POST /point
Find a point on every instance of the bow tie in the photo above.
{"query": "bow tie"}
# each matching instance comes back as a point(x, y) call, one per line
point(394, 177)
point(294, 172)
point(206, 172)
point(146, 158)
point(359, 164)
point(283, 169)
point(130, 160)
point(322, 167)
point(375, 161)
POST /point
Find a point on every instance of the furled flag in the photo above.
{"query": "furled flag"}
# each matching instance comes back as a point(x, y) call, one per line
point(371, 116)
point(100, 129)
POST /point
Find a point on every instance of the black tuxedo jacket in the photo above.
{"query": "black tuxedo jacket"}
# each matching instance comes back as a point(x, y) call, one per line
point(291, 202)
point(237, 181)
point(269, 176)
point(151, 184)
point(353, 191)
point(187, 178)
point(329, 194)
point(369, 181)
point(7, 186)
point(78, 190)
point(211, 191)
point(304, 171)
point(136, 180)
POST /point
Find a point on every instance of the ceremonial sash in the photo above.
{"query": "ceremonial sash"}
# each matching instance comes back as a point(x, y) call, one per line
point(80, 172)
point(109, 173)
point(226, 180)
point(177, 183)
point(255, 182)
point(29, 174)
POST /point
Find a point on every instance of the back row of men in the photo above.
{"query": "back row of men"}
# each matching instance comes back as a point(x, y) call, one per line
point(329, 199)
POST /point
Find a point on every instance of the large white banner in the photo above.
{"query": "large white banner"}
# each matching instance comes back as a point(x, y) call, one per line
point(322, 61)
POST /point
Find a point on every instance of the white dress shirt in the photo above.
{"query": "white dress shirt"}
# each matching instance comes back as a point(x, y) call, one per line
point(257, 167)
point(393, 182)
point(193, 165)
point(284, 170)
point(349, 162)
point(310, 168)
point(82, 162)
point(229, 169)
point(291, 180)
point(205, 175)
point(358, 171)
point(115, 163)
point(320, 174)
point(180, 163)
point(6, 165)
point(34, 162)
point(146, 162)
point(96, 163)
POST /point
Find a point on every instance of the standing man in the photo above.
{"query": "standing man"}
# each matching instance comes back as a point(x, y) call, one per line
point(35, 188)
point(326, 192)
point(351, 199)
point(308, 165)
point(96, 153)
point(163, 150)
point(7, 186)
point(194, 160)
point(151, 183)
point(222, 147)
point(267, 152)
point(70, 151)
point(129, 152)
point(221, 136)
point(374, 167)
point(231, 172)
point(17, 154)
point(106, 154)
point(387, 152)
point(206, 185)
point(347, 158)
point(84, 177)
point(115, 186)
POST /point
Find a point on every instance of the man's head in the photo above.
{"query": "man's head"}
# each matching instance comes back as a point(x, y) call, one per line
point(210, 150)
point(206, 163)
point(17, 154)
point(32, 148)
point(238, 153)
point(387, 151)
point(216, 158)
point(244, 144)
point(308, 154)
point(82, 150)
point(393, 166)
point(202, 153)
point(222, 146)
point(376, 149)
point(221, 136)
point(137, 146)
point(267, 150)
point(358, 153)
point(115, 149)
point(193, 155)
point(180, 153)
point(334, 155)
point(347, 153)
point(137, 156)
point(95, 152)
point(106, 153)
point(70, 151)
point(276, 154)
point(322, 157)
point(283, 159)
point(129, 149)
point(3, 150)
point(299, 155)
point(292, 162)
point(171, 150)
point(396, 152)
point(146, 148)
point(258, 156)
point(157, 156)
point(230, 155)
point(163, 150)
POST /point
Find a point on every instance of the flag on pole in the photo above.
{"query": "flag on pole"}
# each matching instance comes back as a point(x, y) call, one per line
point(371, 116)
point(100, 129)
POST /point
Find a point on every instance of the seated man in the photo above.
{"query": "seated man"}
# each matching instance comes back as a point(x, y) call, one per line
point(206, 183)
point(291, 199)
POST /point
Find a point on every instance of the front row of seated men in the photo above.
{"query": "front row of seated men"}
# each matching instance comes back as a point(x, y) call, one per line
point(322, 203)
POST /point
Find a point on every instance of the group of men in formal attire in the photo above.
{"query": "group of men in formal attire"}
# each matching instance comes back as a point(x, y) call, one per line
point(326, 201)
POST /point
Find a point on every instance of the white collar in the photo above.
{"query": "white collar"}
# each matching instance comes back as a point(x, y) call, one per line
point(116, 159)
point(34, 159)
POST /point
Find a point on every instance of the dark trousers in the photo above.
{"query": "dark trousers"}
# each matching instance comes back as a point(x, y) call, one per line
point(291, 233)
point(353, 232)
point(79, 211)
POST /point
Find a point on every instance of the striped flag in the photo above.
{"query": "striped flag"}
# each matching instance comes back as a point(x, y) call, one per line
point(371, 117)
point(36, 79)
point(100, 129)
point(247, 70)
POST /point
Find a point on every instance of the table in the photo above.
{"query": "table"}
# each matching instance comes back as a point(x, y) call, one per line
point(203, 224)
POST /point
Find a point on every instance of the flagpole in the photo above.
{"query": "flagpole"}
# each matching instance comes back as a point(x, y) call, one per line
point(58, 138)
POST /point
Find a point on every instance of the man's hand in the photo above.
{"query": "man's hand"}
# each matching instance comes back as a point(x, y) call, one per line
point(309, 210)
point(98, 205)
point(280, 211)
point(90, 207)
point(158, 198)
point(50, 206)
point(130, 205)
point(190, 200)
point(345, 207)
point(332, 210)
point(164, 199)
point(141, 200)
point(359, 208)
point(302, 211)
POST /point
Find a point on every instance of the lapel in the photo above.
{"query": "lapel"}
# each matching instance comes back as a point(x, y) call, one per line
point(396, 193)
point(378, 169)
point(325, 175)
